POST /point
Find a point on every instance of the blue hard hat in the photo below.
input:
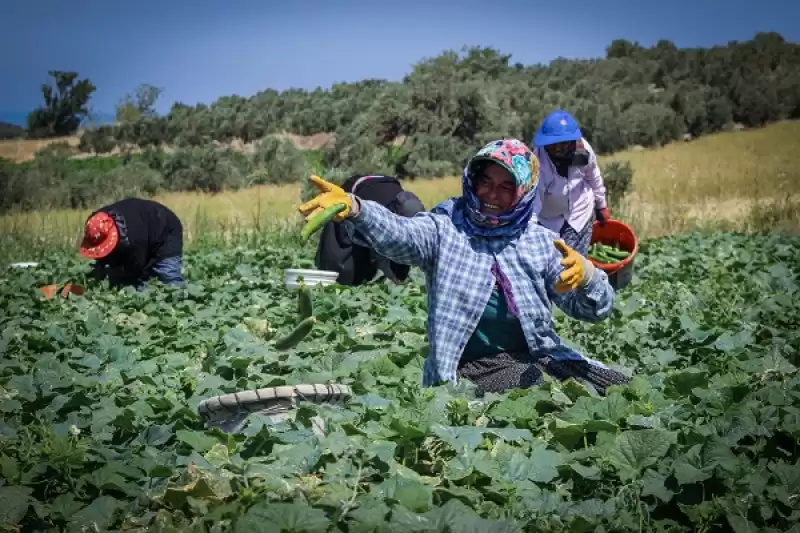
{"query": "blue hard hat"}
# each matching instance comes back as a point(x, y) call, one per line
point(559, 126)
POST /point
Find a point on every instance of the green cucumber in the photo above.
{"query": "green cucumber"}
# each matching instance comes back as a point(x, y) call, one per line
point(617, 254)
point(600, 256)
point(321, 219)
point(296, 335)
point(305, 307)
point(609, 254)
point(596, 253)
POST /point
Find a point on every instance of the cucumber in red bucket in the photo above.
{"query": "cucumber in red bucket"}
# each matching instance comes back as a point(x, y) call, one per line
point(607, 254)
point(613, 249)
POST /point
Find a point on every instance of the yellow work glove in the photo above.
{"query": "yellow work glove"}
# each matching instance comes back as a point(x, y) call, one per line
point(330, 194)
point(578, 269)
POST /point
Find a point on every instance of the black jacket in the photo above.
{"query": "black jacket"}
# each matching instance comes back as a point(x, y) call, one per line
point(148, 233)
point(357, 265)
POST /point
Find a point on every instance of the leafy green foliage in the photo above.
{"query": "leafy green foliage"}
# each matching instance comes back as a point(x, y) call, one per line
point(635, 95)
point(447, 106)
point(11, 131)
point(97, 140)
point(138, 105)
point(278, 160)
point(99, 429)
point(64, 109)
point(618, 180)
point(53, 179)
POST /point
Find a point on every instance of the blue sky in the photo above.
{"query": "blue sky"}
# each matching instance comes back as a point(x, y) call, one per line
point(200, 50)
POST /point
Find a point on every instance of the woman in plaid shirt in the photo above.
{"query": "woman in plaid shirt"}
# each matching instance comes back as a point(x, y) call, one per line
point(492, 275)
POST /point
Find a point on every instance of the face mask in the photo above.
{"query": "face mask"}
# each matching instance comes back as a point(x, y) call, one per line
point(580, 158)
point(572, 158)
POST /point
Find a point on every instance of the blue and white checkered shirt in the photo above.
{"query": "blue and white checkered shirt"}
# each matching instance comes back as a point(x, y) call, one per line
point(458, 272)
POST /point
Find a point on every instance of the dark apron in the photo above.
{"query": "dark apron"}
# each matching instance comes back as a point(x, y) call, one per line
point(501, 372)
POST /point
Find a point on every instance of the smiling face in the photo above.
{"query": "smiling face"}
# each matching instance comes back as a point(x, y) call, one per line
point(496, 189)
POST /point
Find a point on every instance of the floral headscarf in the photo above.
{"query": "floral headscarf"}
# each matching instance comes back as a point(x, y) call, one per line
point(523, 164)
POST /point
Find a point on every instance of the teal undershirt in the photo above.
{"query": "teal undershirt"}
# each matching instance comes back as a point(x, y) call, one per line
point(497, 331)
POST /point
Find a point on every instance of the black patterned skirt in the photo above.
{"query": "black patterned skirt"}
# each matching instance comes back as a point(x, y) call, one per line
point(501, 372)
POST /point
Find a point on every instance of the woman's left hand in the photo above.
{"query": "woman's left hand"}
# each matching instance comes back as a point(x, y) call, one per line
point(578, 269)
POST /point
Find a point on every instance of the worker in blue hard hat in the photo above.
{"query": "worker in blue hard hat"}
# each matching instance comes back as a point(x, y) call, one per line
point(571, 187)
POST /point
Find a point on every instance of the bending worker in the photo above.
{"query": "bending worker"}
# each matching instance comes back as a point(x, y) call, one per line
point(132, 241)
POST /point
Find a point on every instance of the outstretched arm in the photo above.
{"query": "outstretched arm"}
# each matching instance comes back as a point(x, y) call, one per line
point(586, 295)
point(409, 241)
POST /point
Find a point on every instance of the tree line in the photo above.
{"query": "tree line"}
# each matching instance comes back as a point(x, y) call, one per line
point(427, 124)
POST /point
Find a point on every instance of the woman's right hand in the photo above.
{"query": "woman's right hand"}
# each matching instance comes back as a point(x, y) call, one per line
point(330, 194)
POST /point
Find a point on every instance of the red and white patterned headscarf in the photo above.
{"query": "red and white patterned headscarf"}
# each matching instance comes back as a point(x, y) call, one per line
point(100, 236)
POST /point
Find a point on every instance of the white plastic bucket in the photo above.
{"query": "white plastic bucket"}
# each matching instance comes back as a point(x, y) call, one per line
point(310, 277)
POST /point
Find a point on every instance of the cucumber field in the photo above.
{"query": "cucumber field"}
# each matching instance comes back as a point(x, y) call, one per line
point(99, 395)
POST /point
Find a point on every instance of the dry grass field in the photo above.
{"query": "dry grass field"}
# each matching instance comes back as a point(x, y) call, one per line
point(746, 180)
point(21, 150)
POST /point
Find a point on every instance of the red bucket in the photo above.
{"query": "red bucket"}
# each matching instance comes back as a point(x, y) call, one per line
point(618, 234)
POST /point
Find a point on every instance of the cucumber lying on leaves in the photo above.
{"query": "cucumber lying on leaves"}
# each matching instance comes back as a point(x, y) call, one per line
point(297, 334)
point(305, 321)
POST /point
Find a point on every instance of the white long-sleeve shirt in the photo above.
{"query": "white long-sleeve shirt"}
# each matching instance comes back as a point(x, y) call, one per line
point(570, 199)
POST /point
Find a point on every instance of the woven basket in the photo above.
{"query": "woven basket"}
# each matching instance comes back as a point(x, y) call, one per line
point(229, 411)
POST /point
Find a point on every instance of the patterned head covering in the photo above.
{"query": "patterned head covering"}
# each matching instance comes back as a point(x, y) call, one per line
point(514, 156)
point(100, 236)
point(517, 158)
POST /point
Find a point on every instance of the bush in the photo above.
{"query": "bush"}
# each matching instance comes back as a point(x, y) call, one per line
point(278, 160)
point(426, 168)
point(435, 157)
point(13, 188)
point(358, 150)
point(59, 150)
point(133, 179)
point(315, 160)
point(97, 140)
point(206, 168)
point(650, 125)
point(618, 179)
